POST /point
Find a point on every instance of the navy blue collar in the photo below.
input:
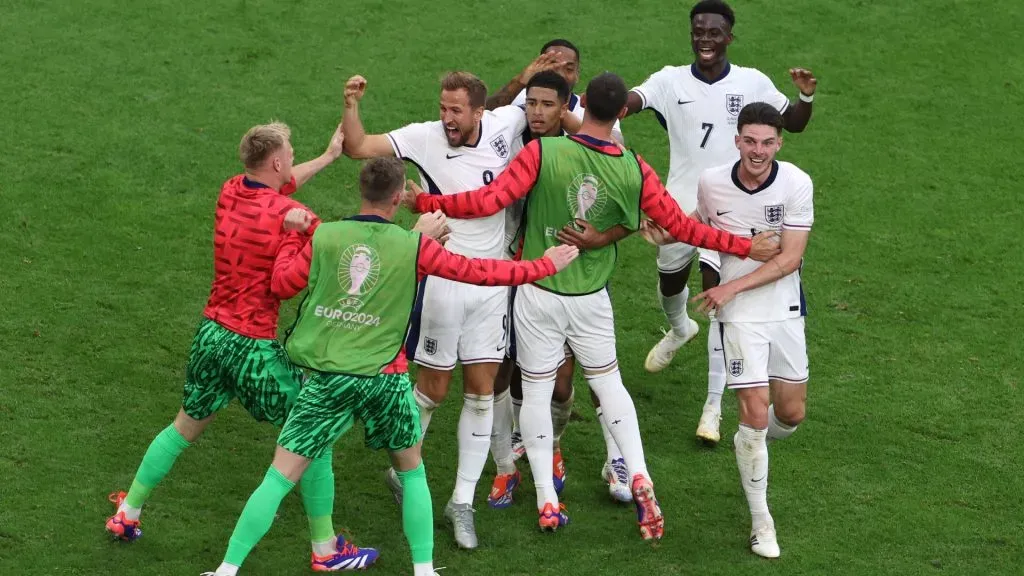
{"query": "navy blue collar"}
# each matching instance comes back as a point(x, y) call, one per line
point(697, 74)
point(369, 218)
point(593, 141)
point(768, 182)
point(573, 99)
point(252, 183)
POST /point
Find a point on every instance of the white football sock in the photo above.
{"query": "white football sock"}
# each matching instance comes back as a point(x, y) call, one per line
point(675, 311)
point(501, 434)
point(560, 413)
point(609, 440)
point(427, 407)
point(752, 461)
point(226, 569)
point(620, 416)
point(423, 569)
point(537, 429)
point(777, 430)
point(325, 548)
point(716, 366)
point(130, 512)
point(475, 425)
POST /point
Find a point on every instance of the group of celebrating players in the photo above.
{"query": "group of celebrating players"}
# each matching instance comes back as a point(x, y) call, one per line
point(531, 189)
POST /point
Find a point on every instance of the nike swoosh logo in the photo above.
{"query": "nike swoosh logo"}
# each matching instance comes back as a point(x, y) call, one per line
point(720, 213)
point(450, 156)
point(481, 435)
point(759, 479)
point(685, 101)
point(718, 349)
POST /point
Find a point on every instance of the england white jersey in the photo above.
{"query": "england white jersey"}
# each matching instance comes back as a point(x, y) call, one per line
point(783, 202)
point(575, 108)
point(446, 170)
point(700, 116)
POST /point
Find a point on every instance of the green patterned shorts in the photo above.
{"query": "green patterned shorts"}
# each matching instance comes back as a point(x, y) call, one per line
point(330, 403)
point(223, 365)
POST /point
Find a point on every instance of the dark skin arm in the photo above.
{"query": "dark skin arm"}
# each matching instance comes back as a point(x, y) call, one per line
point(508, 92)
point(633, 103)
point(798, 114)
point(588, 237)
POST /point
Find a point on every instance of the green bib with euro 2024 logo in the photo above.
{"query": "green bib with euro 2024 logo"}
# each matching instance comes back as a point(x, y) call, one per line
point(576, 181)
point(362, 287)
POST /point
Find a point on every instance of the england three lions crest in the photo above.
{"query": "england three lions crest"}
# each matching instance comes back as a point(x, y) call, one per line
point(774, 214)
point(500, 146)
point(736, 367)
point(734, 103)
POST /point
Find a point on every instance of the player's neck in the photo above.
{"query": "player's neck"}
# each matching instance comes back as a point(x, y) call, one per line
point(750, 181)
point(596, 130)
point(474, 138)
point(714, 71)
point(262, 177)
point(367, 209)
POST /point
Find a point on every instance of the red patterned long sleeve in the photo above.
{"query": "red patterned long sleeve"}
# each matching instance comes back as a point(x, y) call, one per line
point(434, 260)
point(514, 183)
point(660, 207)
point(291, 267)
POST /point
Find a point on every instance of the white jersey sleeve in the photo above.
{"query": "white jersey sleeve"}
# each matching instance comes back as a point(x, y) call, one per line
point(520, 99)
point(513, 117)
point(799, 211)
point(656, 92)
point(767, 92)
point(410, 142)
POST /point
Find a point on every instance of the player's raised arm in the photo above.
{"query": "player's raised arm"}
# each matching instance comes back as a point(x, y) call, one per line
point(634, 102)
point(357, 143)
point(303, 172)
point(435, 260)
point(798, 114)
point(507, 94)
point(511, 185)
point(665, 212)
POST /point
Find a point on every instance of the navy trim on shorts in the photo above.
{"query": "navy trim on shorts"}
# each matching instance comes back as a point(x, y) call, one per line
point(415, 319)
point(510, 346)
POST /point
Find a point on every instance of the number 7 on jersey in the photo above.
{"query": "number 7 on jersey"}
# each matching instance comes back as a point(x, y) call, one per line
point(707, 127)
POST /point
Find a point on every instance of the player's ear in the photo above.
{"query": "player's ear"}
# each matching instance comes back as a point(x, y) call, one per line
point(736, 139)
point(623, 112)
point(277, 164)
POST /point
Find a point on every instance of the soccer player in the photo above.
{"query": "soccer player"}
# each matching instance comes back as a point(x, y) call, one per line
point(454, 321)
point(558, 55)
point(362, 275)
point(698, 105)
point(760, 307)
point(235, 352)
point(562, 177)
point(547, 100)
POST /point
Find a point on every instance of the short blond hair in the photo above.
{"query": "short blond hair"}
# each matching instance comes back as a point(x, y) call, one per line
point(474, 87)
point(262, 141)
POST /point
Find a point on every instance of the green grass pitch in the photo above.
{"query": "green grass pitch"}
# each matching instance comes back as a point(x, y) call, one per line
point(120, 120)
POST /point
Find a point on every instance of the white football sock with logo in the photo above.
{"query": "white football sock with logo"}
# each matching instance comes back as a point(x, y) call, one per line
point(620, 416)
point(716, 366)
point(501, 434)
point(609, 440)
point(752, 461)
point(475, 426)
point(538, 433)
point(675, 311)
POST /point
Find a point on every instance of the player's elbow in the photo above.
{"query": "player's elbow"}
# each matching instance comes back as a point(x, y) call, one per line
point(356, 152)
point(280, 289)
point(789, 263)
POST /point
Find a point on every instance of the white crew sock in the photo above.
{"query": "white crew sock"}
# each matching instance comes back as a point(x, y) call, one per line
point(325, 548)
point(475, 426)
point(777, 430)
point(620, 416)
point(675, 311)
point(560, 413)
point(427, 407)
point(752, 461)
point(130, 512)
point(716, 366)
point(538, 434)
point(609, 440)
point(501, 434)
point(226, 569)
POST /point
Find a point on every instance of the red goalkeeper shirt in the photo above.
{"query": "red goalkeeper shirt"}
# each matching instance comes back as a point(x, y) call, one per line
point(246, 238)
point(291, 270)
point(517, 181)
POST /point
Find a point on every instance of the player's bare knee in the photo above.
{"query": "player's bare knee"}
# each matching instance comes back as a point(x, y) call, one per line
point(790, 413)
point(289, 464)
point(479, 378)
point(408, 459)
point(753, 406)
point(433, 383)
point(190, 428)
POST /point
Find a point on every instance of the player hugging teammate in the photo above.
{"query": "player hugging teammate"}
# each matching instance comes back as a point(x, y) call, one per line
point(529, 188)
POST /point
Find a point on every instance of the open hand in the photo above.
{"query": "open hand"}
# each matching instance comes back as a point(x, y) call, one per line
point(433, 224)
point(585, 238)
point(714, 298)
point(804, 80)
point(562, 255)
point(655, 234)
point(765, 246)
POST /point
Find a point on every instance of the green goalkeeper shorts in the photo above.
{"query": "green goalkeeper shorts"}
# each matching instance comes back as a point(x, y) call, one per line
point(330, 403)
point(223, 365)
